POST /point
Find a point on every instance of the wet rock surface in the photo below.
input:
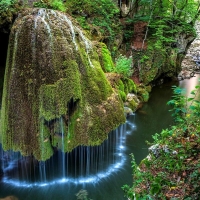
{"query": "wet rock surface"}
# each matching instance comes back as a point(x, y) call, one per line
point(191, 62)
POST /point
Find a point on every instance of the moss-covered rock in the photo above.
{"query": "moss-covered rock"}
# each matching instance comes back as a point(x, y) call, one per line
point(122, 85)
point(8, 11)
point(132, 101)
point(129, 92)
point(105, 58)
point(143, 93)
point(55, 92)
point(155, 62)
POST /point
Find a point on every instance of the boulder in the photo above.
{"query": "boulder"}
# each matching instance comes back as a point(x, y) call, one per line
point(55, 92)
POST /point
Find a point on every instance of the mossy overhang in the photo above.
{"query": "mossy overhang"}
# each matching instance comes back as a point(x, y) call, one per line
point(55, 94)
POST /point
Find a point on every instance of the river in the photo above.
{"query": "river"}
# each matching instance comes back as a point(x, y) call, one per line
point(139, 128)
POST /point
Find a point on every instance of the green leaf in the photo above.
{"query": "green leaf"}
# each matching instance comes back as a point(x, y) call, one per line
point(192, 107)
point(190, 99)
point(193, 92)
point(171, 102)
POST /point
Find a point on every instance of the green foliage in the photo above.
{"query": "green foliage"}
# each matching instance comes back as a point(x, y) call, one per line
point(171, 171)
point(163, 31)
point(182, 10)
point(106, 59)
point(50, 4)
point(8, 9)
point(58, 5)
point(165, 21)
point(185, 109)
point(144, 58)
point(83, 22)
point(123, 66)
point(179, 104)
point(42, 4)
point(128, 33)
point(7, 3)
point(98, 13)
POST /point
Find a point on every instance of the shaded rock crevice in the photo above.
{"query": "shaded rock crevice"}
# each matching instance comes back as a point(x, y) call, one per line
point(4, 37)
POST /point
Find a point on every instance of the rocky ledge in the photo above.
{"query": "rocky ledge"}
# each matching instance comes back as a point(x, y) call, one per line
point(191, 62)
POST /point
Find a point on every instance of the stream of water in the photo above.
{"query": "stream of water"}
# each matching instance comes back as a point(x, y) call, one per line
point(130, 137)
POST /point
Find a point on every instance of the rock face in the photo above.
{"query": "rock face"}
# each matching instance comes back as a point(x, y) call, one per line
point(56, 95)
point(153, 61)
point(139, 42)
point(191, 63)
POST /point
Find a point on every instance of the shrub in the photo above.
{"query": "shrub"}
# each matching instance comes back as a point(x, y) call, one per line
point(51, 4)
point(8, 10)
point(171, 171)
point(124, 66)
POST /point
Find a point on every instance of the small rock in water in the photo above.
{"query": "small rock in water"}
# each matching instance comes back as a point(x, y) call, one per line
point(127, 111)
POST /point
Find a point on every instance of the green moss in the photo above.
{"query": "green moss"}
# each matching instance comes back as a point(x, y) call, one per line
point(125, 86)
point(129, 86)
point(122, 95)
point(148, 88)
point(143, 93)
point(8, 9)
point(106, 59)
point(133, 105)
point(5, 135)
point(46, 150)
point(156, 62)
point(120, 85)
point(109, 121)
point(53, 98)
point(59, 93)
point(120, 88)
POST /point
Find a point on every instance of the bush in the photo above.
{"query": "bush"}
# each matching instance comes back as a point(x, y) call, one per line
point(124, 66)
point(171, 170)
point(8, 11)
point(50, 4)
point(100, 14)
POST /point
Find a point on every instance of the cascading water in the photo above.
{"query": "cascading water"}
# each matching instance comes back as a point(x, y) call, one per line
point(88, 46)
point(65, 19)
point(42, 167)
point(63, 146)
point(84, 164)
point(59, 101)
point(44, 16)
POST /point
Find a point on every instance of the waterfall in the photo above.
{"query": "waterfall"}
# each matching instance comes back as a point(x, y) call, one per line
point(43, 14)
point(42, 166)
point(88, 46)
point(66, 19)
point(47, 50)
point(84, 164)
point(63, 146)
